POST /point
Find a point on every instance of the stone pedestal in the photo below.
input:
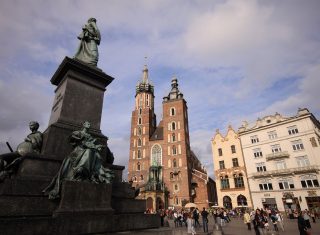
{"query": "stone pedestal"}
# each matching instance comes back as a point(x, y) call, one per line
point(78, 98)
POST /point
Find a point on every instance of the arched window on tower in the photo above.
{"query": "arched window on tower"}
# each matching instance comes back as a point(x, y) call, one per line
point(139, 142)
point(138, 166)
point(174, 150)
point(139, 154)
point(139, 120)
point(174, 163)
point(173, 137)
point(173, 126)
point(139, 131)
point(172, 111)
point(156, 155)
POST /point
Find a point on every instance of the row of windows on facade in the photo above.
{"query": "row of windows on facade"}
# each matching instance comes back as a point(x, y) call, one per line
point(140, 166)
point(171, 137)
point(173, 176)
point(292, 130)
point(233, 150)
point(235, 163)
point(301, 161)
point(172, 150)
point(310, 183)
point(297, 145)
point(238, 181)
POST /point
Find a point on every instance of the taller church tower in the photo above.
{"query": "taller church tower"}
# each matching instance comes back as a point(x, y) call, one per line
point(143, 124)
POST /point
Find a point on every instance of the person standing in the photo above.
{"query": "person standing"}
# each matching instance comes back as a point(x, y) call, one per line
point(204, 215)
point(196, 217)
point(302, 224)
point(247, 220)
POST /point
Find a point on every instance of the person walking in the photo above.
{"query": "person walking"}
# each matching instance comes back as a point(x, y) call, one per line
point(307, 218)
point(247, 220)
point(190, 223)
point(204, 215)
point(280, 220)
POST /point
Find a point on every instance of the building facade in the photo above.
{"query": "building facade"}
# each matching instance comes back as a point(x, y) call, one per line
point(230, 171)
point(161, 163)
point(282, 158)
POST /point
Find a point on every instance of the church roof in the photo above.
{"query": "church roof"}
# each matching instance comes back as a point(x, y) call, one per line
point(158, 133)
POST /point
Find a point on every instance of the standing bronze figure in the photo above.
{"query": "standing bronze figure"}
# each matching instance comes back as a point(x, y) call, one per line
point(89, 40)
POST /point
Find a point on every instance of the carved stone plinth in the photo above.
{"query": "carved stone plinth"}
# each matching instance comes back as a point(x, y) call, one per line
point(78, 97)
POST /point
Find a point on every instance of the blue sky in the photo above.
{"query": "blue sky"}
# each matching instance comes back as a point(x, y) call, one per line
point(235, 60)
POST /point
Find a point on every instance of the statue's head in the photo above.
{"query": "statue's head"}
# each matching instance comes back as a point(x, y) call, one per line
point(92, 20)
point(33, 125)
point(86, 124)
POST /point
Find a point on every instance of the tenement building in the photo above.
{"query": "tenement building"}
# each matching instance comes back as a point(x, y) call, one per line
point(282, 157)
point(230, 171)
point(161, 163)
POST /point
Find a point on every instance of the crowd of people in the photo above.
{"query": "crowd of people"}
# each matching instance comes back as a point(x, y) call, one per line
point(262, 221)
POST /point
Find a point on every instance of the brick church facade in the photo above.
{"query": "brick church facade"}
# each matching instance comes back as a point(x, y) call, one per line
point(161, 163)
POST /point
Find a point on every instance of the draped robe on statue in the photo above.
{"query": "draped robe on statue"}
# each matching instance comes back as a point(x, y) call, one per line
point(83, 164)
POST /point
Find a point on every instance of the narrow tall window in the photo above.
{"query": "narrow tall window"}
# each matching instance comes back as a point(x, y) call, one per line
point(174, 150)
point(174, 163)
point(138, 166)
point(233, 149)
point(173, 137)
point(221, 165)
point(139, 142)
point(172, 111)
point(139, 120)
point(220, 151)
point(173, 126)
point(139, 154)
point(235, 162)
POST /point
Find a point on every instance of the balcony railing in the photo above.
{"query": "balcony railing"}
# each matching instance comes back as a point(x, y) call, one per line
point(296, 170)
point(277, 155)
